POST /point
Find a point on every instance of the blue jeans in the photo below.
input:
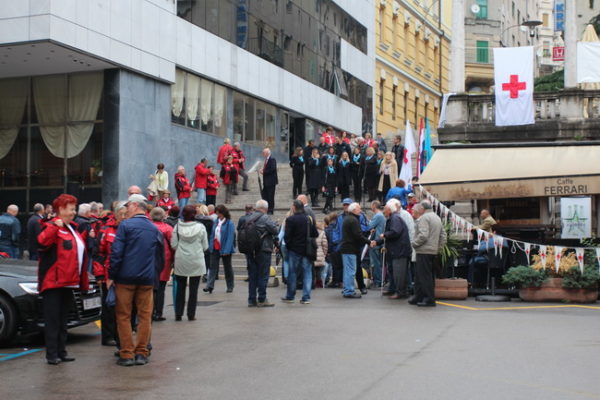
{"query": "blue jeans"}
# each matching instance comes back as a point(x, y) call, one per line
point(298, 261)
point(375, 257)
point(201, 196)
point(259, 266)
point(326, 273)
point(285, 261)
point(183, 203)
point(349, 261)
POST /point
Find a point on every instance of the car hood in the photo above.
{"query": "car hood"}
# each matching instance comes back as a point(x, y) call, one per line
point(19, 269)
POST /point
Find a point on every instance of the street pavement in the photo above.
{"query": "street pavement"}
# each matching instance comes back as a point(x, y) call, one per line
point(335, 348)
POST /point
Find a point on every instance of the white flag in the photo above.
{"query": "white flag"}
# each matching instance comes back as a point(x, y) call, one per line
point(579, 252)
point(406, 172)
point(557, 256)
point(527, 251)
point(588, 62)
point(513, 80)
point(543, 253)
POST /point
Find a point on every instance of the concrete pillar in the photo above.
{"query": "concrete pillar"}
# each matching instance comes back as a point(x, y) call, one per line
point(457, 48)
point(570, 44)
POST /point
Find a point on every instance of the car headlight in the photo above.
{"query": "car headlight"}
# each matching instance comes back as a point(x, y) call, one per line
point(30, 287)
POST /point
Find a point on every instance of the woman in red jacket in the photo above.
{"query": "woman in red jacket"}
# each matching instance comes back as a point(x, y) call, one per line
point(62, 261)
point(107, 237)
point(229, 176)
point(158, 216)
point(212, 186)
point(183, 187)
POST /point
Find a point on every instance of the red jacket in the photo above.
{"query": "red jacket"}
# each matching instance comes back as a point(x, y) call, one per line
point(167, 231)
point(201, 174)
point(182, 185)
point(228, 174)
point(224, 151)
point(213, 185)
point(58, 265)
point(238, 158)
point(167, 203)
point(108, 237)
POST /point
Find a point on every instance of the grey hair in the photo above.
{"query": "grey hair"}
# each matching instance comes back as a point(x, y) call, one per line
point(353, 207)
point(13, 208)
point(261, 205)
point(179, 168)
point(394, 205)
point(94, 207)
point(83, 209)
point(268, 150)
point(426, 204)
point(236, 144)
point(37, 207)
point(419, 208)
point(157, 214)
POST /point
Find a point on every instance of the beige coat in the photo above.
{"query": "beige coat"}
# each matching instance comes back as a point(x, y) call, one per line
point(393, 174)
point(321, 249)
point(487, 224)
point(430, 235)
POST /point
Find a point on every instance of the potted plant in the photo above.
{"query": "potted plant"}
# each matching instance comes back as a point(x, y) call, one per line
point(537, 283)
point(450, 288)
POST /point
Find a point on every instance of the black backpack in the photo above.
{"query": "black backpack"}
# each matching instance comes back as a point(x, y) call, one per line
point(249, 240)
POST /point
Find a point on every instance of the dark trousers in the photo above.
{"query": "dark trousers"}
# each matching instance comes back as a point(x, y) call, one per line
point(398, 273)
point(211, 199)
point(57, 304)
point(192, 297)
point(360, 278)
point(424, 278)
point(314, 197)
point(213, 270)
point(345, 192)
point(259, 266)
point(297, 189)
point(107, 318)
point(268, 194)
point(372, 190)
point(357, 188)
point(328, 204)
point(337, 267)
point(159, 299)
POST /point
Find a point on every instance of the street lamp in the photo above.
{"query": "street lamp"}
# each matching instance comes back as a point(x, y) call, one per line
point(530, 25)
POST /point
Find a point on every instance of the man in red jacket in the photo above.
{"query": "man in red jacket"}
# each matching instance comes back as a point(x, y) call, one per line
point(200, 180)
point(224, 151)
point(239, 161)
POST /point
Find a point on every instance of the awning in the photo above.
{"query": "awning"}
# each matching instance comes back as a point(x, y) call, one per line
point(495, 171)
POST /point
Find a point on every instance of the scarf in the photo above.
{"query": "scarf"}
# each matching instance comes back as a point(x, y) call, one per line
point(331, 170)
point(368, 158)
point(356, 158)
point(379, 161)
point(217, 242)
point(316, 161)
point(343, 162)
point(301, 159)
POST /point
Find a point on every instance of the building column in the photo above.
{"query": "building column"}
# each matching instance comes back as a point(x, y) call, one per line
point(457, 48)
point(570, 44)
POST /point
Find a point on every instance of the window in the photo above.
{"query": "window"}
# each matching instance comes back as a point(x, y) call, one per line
point(416, 112)
point(482, 52)
point(380, 22)
point(483, 9)
point(395, 32)
point(394, 102)
point(381, 86)
point(405, 106)
point(545, 20)
point(513, 9)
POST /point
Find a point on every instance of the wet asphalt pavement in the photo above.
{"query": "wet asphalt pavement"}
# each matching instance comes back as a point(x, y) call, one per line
point(335, 348)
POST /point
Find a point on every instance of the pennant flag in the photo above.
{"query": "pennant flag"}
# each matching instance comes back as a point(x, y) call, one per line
point(527, 250)
point(469, 229)
point(513, 80)
point(543, 253)
point(498, 242)
point(406, 170)
point(579, 252)
point(557, 257)
point(479, 236)
point(598, 256)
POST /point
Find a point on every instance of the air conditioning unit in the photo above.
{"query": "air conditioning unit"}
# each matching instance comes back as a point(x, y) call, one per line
point(407, 17)
point(395, 8)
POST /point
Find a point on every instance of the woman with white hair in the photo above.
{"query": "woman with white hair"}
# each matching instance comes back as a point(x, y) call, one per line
point(388, 172)
point(182, 187)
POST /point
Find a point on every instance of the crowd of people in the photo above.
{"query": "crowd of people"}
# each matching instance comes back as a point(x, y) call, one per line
point(342, 163)
point(134, 248)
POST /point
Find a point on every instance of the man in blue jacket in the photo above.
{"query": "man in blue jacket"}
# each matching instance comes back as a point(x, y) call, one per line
point(135, 264)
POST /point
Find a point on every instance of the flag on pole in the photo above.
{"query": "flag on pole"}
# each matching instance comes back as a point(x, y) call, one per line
point(425, 150)
point(420, 149)
point(409, 149)
point(513, 80)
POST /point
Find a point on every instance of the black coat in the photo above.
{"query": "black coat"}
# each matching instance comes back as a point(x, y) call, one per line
point(344, 174)
point(397, 241)
point(371, 172)
point(297, 167)
point(295, 233)
point(352, 237)
point(342, 147)
point(34, 227)
point(357, 167)
point(326, 157)
point(314, 174)
point(330, 182)
point(398, 151)
point(270, 173)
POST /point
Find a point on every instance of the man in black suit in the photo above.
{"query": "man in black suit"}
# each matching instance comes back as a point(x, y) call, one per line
point(398, 150)
point(270, 181)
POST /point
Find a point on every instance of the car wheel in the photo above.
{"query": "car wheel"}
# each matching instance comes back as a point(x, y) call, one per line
point(8, 320)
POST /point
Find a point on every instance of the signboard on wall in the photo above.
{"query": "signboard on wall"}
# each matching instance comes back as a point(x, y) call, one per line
point(559, 16)
point(576, 217)
point(558, 53)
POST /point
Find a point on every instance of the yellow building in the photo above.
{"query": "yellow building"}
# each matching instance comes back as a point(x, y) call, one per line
point(412, 62)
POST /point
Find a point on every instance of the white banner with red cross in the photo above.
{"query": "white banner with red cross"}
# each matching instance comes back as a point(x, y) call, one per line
point(513, 80)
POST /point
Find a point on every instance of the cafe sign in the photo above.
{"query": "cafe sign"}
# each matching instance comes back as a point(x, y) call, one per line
point(576, 217)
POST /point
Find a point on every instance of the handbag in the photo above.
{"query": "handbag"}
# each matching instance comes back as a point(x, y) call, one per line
point(111, 297)
point(311, 242)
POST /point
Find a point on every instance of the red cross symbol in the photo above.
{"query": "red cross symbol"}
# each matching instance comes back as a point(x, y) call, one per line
point(514, 86)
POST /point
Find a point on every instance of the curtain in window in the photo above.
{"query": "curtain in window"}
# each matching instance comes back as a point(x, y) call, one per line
point(219, 105)
point(66, 108)
point(192, 95)
point(206, 101)
point(177, 90)
point(13, 98)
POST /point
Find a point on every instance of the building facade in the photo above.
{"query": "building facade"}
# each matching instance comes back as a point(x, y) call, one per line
point(95, 93)
point(412, 62)
point(489, 24)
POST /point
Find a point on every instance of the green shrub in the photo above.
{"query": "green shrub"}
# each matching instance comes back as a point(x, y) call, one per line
point(574, 279)
point(524, 276)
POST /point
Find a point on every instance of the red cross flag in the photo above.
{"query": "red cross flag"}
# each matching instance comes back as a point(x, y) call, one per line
point(513, 80)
